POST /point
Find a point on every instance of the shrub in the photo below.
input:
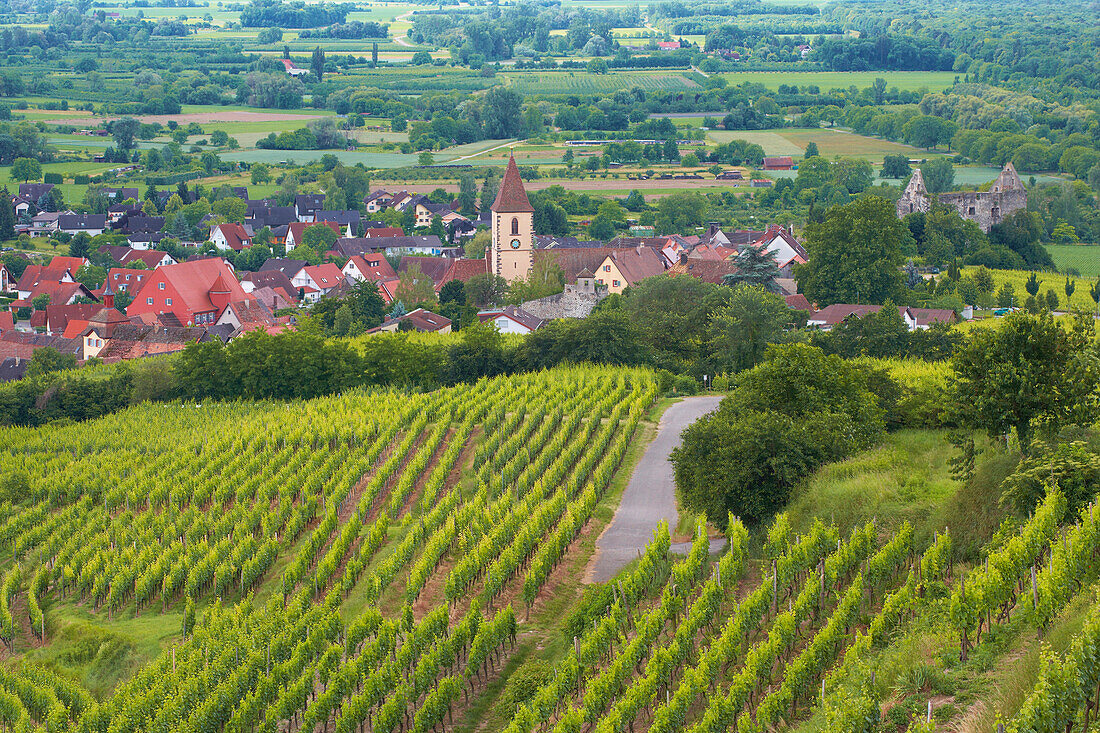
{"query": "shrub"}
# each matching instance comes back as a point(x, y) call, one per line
point(54, 178)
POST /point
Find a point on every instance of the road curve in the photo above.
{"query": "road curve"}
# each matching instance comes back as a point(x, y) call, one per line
point(651, 494)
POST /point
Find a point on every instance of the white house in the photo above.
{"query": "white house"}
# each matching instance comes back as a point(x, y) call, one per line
point(511, 319)
point(317, 280)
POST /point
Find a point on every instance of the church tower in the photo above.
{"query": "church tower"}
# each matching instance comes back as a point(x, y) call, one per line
point(513, 228)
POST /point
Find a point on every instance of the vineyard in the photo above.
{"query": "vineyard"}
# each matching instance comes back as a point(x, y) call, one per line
point(580, 82)
point(370, 562)
point(192, 507)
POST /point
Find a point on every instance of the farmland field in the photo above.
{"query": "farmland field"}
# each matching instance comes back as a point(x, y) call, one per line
point(830, 142)
point(1085, 258)
point(565, 82)
point(826, 80)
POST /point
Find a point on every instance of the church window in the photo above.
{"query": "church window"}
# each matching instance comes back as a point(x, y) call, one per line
point(515, 225)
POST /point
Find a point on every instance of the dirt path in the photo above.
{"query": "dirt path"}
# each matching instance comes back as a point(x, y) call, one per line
point(487, 150)
point(650, 497)
point(403, 40)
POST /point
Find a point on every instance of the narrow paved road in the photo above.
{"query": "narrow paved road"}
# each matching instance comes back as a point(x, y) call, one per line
point(651, 494)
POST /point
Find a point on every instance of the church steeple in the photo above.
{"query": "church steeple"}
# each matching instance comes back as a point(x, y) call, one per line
point(511, 196)
point(511, 253)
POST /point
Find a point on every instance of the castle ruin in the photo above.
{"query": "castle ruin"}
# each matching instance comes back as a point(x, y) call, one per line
point(985, 208)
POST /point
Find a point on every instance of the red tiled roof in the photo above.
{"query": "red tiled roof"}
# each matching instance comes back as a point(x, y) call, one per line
point(462, 270)
point(372, 266)
point(836, 313)
point(636, 265)
point(151, 257)
point(384, 232)
point(511, 196)
point(72, 264)
point(798, 302)
point(193, 281)
point(711, 271)
point(116, 277)
point(7, 321)
point(58, 316)
point(326, 276)
point(235, 236)
point(928, 316)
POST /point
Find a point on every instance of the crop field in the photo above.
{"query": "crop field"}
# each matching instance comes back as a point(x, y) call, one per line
point(826, 80)
point(830, 142)
point(1085, 258)
point(1081, 299)
point(565, 82)
point(422, 526)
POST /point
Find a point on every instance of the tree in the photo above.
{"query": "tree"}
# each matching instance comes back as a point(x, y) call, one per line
point(474, 249)
point(791, 413)
point(374, 54)
point(501, 113)
point(755, 266)
point(425, 158)
point(811, 150)
point(467, 194)
point(929, 131)
point(317, 63)
point(319, 237)
point(895, 166)
point(681, 212)
point(1028, 371)
point(48, 360)
point(855, 254)
point(436, 228)
point(415, 288)
point(939, 175)
point(79, 245)
point(123, 131)
point(740, 332)
point(601, 228)
point(26, 169)
point(485, 289)
point(489, 190)
point(597, 66)
point(7, 216)
point(1095, 293)
point(453, 291)
point(231, 209)
point(1031, 285)
point(878, 89)
point(1070, 287)
point(260, 173)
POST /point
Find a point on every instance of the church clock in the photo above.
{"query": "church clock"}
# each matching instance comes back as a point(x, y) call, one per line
point(515, 244)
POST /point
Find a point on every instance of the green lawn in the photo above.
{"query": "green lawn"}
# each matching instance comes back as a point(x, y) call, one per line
point(1085, 258)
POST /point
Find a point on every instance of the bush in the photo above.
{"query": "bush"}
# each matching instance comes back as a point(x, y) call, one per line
point(54, 178)
point(81, 179)
point(523, 684)
point(787, 416)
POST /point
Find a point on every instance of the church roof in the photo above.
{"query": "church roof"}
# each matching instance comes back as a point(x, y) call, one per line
point(511, 197)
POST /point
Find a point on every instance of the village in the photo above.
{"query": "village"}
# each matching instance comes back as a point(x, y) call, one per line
point(170, 304)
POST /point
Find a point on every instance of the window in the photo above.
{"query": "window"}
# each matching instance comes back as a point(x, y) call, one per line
point(148, 301)
point(127, 278)
point(168, 302)
point(160, 286)
point(615, 283)
point(515, 225)
point(607, 268)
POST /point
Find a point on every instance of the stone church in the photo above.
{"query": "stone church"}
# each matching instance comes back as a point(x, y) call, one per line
point(986, 208)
